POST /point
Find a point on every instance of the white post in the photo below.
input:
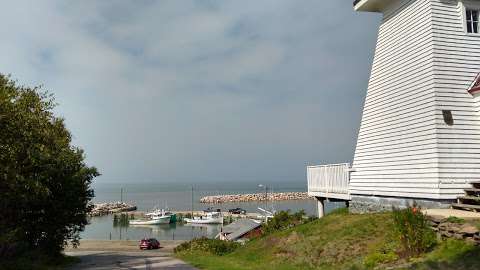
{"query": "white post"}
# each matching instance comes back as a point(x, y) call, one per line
point(320, 207)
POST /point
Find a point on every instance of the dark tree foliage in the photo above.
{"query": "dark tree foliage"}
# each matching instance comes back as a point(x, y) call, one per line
point(44, 181)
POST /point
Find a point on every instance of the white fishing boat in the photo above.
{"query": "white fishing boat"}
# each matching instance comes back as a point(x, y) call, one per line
point(208, 218)
point(153, 218)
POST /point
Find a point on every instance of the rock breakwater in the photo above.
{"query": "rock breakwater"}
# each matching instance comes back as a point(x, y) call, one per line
point(284, 196)
point(101, 209)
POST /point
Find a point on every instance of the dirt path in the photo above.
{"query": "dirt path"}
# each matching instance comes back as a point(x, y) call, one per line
point(445, 213)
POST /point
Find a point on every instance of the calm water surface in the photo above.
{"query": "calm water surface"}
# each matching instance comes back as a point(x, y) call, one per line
point(179, 197)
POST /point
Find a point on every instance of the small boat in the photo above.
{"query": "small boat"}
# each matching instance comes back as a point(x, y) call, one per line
point(164, 213)
point(155, 217)
point(208, 218)
point(267, 215)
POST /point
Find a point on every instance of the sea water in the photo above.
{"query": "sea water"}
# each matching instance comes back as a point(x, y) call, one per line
point(178, 197)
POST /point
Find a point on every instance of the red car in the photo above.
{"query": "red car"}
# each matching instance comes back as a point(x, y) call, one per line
point(149, 243)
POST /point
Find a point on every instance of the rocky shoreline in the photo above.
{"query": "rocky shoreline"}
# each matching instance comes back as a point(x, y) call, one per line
point(101, 209)
point(284, 196)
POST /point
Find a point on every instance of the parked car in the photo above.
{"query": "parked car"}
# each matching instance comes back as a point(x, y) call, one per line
point(210, 210)
point(238, 211)
point(149, 243)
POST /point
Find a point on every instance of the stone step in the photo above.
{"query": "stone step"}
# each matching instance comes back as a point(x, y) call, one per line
point(469, 207)
point(475, 184)
point(472, 191)
point(474, 199)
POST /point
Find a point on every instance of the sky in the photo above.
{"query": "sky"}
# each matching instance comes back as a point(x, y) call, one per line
point(192, 91)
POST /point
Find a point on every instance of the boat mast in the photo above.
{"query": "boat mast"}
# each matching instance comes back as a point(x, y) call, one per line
point(266, 204)
point(192, 201)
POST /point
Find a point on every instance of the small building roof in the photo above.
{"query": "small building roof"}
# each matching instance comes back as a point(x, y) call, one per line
point(474, 88)
point(240, 227)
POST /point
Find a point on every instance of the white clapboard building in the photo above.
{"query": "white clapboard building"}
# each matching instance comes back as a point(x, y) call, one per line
point(419, 139)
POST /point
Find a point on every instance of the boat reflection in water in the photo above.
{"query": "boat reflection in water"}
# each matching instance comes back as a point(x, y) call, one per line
point(204, 230)
point(176, 231)
point(160, 228)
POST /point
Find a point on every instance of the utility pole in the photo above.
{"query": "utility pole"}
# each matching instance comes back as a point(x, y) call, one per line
point(121, 195)
point(266, 198)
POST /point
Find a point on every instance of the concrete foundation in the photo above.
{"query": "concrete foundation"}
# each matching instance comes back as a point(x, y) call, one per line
point(370, 204)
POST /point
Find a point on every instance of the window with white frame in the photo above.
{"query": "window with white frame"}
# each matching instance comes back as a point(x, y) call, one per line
point(472, 20)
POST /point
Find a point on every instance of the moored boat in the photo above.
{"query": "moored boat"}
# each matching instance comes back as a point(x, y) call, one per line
point(208, 218)
point(155, 217)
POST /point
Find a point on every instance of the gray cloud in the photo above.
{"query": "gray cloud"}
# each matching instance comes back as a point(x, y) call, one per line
point(197, 90)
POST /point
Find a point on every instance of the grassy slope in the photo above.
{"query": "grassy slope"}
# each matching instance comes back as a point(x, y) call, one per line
point(338, 241)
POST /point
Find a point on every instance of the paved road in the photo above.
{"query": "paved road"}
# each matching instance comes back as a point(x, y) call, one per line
point(148, 260)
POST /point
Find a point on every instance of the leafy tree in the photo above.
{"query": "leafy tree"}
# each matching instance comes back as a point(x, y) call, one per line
point(44, 181)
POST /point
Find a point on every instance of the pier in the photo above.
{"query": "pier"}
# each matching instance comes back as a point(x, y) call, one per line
point(141, 214)
point(284, 196)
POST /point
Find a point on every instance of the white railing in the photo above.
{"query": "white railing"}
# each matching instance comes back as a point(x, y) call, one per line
point(329, 179)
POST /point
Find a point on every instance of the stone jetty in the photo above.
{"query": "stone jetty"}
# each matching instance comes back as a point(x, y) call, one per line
point(101, 209)
point(284, 196)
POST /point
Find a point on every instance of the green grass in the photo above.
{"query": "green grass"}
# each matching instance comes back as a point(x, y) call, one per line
point(38, 261)
point(456, 220)
point(337, 241)
point(451, 254)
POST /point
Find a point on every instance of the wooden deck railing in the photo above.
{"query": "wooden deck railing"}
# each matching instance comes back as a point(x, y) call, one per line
point(329, 180)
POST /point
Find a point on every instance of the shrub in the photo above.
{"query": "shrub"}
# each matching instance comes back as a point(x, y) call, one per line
point(213, 246)
point(413, 231)
point(284, 220)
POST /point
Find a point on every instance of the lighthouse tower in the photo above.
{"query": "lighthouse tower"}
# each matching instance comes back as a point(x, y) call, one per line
point(419, 138)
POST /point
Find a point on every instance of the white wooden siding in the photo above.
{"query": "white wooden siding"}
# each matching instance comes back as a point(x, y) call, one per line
point(423, 64)
point(456, 63)
point(396, 147)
